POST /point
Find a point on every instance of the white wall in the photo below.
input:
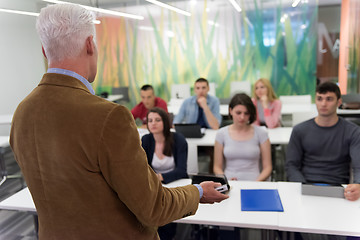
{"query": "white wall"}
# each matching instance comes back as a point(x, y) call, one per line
point(21, 61)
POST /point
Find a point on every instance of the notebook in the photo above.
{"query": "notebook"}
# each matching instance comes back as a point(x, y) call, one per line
point(261, 200)
point(189, 130)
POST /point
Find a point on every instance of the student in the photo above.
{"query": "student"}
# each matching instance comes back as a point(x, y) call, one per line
point(166, 151)
point(241, 147)
point(81, 155)
point(268, 107)
point(202, 108)
point(322, 149)
point(148, 101)
point(167, 155)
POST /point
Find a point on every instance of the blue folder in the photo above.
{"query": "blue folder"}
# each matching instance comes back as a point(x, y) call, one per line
point(261, 200)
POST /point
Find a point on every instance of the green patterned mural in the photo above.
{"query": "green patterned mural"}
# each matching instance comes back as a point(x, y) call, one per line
point(217, 42)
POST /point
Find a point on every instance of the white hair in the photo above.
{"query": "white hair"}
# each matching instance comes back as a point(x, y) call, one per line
point(63, 30)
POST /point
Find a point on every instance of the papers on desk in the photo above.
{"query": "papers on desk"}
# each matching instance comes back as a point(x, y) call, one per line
point(261, 200)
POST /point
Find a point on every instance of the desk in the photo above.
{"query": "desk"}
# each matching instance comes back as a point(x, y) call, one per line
point(114, 98)
point(228, 212)
point(20, 201)
point(349, 113)
point(312, 214)
point(323, 215)
point(276, 136)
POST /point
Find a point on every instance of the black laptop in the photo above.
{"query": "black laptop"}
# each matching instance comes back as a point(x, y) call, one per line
point(189, 130)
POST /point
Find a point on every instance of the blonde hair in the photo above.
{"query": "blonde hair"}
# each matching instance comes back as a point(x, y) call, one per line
point(270, 93)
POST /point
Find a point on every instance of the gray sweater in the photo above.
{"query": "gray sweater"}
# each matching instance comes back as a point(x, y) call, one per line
point(323, 154)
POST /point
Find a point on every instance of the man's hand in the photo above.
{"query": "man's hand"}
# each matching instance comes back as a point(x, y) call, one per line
point(202, 102)
point(352, 192)
point(210, 195)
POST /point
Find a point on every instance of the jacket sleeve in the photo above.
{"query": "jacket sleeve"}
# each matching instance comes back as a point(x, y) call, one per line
point(215, 109)
point(294, 157)
point(123, 164)
point(180, 151)
point(146, 145)
point(273, 116)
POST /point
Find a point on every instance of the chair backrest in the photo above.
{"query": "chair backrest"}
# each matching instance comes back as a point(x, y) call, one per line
point(180, 91)
point(123, 91)
point(299, 117)
point(212, 90)
point(296, 99)
point(240, 87)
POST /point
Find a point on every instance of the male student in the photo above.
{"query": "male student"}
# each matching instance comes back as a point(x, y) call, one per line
point(324, 149)
point(148, 101)
point(202, 108)
point(81, 155)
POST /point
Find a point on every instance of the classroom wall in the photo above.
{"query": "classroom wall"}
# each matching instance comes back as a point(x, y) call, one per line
point(268, 40)
point(21, 60)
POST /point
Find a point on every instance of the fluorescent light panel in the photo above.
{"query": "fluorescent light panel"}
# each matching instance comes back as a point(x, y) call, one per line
point(169, 7)
point(19, 12)
point(295, 3)
point(32, 14)
point(235, 5)
point(100, 10)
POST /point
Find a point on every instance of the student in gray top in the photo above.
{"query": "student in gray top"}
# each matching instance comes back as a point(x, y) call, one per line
point(325, 148)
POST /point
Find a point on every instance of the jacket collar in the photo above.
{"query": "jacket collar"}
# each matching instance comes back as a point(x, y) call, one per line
point(62, 80)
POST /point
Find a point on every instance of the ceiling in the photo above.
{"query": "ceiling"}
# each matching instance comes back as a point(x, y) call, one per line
point(122, 3)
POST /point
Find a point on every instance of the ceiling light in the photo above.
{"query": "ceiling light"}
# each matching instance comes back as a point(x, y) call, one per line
point(169, 7)
point(19, 12)
point(235, 5)
point(145, 28)
point(100, 10)
point(295, 3)
point(32, 14)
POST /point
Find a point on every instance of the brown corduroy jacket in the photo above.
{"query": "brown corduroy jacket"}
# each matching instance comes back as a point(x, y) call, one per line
point(88, 175)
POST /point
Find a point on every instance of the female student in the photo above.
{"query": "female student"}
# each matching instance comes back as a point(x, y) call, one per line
point(167, 155)
point(166, 151)
point(242, 149)
point(267, 105)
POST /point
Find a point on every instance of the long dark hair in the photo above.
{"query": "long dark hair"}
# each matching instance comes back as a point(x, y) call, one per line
point(166, 131)
point(245, 100)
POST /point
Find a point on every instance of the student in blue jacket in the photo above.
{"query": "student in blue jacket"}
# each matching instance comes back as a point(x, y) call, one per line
point(166, 153)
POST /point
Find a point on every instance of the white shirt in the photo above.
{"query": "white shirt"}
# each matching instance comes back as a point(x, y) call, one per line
point(164, 165)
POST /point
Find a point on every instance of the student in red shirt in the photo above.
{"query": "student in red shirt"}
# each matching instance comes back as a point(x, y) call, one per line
point(148, 101)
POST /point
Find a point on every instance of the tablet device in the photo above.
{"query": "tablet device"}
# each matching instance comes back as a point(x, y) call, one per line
point(189, 130)
point(323, 190)
point(221, 178)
